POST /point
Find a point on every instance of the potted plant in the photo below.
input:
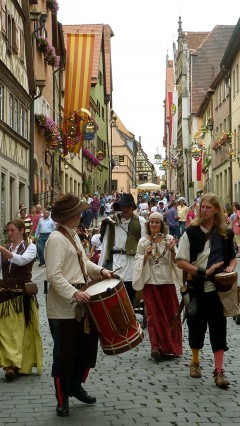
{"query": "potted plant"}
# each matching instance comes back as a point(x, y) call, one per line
point(52, 5)
point(48, 51)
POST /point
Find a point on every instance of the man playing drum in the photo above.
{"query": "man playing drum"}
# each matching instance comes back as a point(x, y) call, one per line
point(205, 249)
point(122, 233)
point(75, 339)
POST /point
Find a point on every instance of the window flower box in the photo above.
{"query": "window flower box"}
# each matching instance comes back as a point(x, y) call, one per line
point(91, 157)
point(48, 51)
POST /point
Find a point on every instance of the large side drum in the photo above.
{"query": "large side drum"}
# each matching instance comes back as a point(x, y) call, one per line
point(112, 313)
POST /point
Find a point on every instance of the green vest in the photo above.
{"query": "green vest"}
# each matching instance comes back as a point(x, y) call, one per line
point(133, 236)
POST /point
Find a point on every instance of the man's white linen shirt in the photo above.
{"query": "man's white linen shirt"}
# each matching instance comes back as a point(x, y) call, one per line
point(63, 270)
point(183, 253)
point(125, 261)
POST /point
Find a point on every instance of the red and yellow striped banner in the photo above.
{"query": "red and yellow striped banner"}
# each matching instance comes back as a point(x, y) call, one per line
point(79, 62)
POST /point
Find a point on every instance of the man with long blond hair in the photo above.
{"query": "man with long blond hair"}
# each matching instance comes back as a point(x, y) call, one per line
point(205, 249)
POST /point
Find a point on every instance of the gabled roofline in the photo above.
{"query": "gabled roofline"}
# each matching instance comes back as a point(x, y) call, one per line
point(232, 48)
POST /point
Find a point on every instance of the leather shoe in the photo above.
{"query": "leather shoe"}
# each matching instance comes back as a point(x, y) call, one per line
point(9, 373)
point(63, 410)
point(155, 354)
point(83, 396)
point(195, 370)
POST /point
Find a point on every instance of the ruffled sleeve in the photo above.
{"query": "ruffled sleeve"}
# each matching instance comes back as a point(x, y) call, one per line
point(141, 273)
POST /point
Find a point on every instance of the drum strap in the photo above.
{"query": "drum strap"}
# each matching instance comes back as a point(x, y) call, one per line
point(87, 326)
point(79, 254)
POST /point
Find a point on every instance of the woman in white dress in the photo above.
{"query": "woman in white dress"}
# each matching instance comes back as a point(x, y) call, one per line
point(153, 273)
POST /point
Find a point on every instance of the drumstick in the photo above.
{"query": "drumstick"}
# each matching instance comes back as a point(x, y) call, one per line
point(120, 267)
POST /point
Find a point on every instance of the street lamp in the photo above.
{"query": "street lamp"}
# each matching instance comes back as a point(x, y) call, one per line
point(112, 124)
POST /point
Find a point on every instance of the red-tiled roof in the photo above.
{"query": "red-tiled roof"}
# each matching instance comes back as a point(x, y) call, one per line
point(195, 39)
point(206, 62)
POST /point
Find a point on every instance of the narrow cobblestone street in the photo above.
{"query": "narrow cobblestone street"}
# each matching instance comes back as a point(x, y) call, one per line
point(131, 388)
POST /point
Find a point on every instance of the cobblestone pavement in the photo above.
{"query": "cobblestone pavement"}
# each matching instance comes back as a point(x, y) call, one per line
point(131, 388)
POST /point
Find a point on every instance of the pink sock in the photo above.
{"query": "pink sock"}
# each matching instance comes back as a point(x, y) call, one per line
point(218, 358)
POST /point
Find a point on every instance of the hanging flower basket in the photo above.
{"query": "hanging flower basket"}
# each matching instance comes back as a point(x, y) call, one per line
point(52, 5)
point(48, 51)
point(50, 129)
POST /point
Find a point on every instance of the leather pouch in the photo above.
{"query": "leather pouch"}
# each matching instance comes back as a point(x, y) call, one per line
point(31, 289)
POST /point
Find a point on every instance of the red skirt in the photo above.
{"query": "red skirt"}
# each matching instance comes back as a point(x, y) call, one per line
point(161, 304)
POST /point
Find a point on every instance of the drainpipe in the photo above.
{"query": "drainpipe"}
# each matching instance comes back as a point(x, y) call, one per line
point(62, 66)
point(32, 127)
point(230, 166)
point(43, 19)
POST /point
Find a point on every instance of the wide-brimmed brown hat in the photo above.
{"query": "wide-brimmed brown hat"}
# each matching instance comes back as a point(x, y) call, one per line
point(66, 207)
point(127, 200)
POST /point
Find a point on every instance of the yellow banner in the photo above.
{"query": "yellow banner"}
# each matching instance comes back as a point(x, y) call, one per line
point(79, 62)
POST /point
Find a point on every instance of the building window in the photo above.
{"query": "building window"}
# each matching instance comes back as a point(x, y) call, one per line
point(121, 158)
point(25, 127)
point(11, 111)
point(21, 50)
point(9, 34)
point(1, 102)
point(114, 185)
point(98, 107)
point(238, 142)
point(143, 177)
point(4, 18)
point(21, 120)
point(103, 113)
point(39, 32)
point(237, 78)
point(100, 76)
point(105, 149)
point(14, 36)
point(45, 107)
point(234, 84)
point(15, 116)
point(116, 160)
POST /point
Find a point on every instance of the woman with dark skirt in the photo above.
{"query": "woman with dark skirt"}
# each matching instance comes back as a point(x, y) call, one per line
point(20, 340)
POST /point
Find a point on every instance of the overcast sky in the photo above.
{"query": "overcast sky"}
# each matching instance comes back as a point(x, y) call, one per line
point(144, 31)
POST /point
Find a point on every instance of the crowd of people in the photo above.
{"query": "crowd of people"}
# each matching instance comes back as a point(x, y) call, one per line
point(160, 247)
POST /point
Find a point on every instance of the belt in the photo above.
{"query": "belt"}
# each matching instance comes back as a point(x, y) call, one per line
point(118, 252)
point(10, 284)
